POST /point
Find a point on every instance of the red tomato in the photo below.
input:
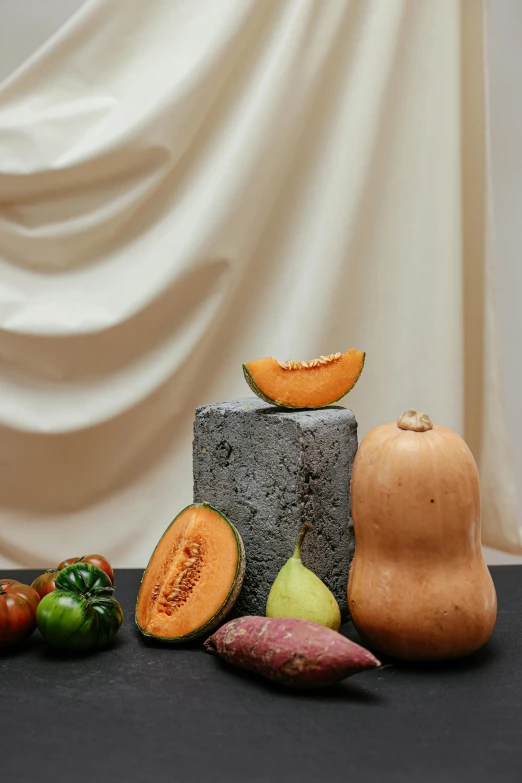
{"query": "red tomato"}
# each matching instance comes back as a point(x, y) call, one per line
point(97, 560)
point(101, 562)
point(68, 562)
point(18, 604)
point(44, 583)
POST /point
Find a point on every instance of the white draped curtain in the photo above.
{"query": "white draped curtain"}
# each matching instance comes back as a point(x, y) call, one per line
point(185, 185)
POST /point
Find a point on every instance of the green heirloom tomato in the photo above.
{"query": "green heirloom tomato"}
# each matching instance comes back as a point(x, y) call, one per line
point(81, 612)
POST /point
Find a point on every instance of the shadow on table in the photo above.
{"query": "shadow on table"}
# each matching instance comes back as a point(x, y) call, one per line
point(157, 644)
point(483, 658)
point(345, 691)
point(24, 649)
point(47, 652)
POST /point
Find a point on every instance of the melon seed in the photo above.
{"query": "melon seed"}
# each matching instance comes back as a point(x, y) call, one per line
point(291, 365)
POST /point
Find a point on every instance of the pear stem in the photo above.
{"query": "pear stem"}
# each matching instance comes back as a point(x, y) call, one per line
point(304, 530)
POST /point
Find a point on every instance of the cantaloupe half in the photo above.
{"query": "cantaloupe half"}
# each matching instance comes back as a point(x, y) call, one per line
point(312, 384)
point(193, 578)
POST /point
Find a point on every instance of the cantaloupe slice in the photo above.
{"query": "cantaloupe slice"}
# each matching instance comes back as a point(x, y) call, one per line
point(312, 384)
point(193, 578)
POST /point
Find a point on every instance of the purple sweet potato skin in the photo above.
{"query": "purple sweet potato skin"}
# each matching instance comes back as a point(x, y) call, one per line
point(297, 653)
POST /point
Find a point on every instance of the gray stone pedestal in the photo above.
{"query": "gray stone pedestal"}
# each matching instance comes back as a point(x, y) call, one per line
point(269, 470)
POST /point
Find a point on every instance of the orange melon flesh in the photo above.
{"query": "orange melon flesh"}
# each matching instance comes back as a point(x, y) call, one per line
point(199, 563)
point(310, 387)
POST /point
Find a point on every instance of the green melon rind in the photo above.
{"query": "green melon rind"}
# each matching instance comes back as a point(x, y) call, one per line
point(230, 600)
point(280, 404)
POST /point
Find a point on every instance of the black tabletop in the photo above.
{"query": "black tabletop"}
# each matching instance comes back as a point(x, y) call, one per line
point(140, 712)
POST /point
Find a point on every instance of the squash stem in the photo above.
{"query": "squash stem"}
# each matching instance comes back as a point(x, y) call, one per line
point(414, 421)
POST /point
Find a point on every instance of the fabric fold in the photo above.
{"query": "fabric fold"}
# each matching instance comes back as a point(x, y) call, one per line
point(188, 185)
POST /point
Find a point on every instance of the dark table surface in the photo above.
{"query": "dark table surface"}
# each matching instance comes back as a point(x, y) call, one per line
point(140, 712)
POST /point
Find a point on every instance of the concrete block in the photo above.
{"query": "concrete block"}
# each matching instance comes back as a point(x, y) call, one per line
point(269, 470)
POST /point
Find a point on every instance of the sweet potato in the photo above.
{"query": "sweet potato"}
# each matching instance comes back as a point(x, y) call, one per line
point(297, 653)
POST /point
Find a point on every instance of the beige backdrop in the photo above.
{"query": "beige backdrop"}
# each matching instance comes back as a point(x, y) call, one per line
point(185, 185)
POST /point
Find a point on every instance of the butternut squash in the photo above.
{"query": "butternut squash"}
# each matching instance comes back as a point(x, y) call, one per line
point(419, 588)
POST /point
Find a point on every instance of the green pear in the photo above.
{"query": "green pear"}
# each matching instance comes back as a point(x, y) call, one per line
point(298, 592)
